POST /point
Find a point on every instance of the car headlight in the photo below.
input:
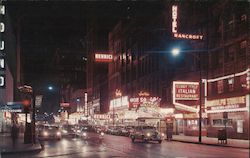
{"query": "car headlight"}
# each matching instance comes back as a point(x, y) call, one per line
point(102, 134)
point(45, 133)
point(84, 134)
point(78, 131)
point(148, 134)
point(58, 133)
point(162, 134)
point(64, 131)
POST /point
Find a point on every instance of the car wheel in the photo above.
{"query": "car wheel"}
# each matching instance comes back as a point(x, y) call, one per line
point(160, 141)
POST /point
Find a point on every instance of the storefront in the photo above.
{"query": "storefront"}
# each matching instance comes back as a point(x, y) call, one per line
point(237, 116)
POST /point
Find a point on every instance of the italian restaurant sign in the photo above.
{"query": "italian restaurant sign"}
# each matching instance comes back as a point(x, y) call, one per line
point(186, 90)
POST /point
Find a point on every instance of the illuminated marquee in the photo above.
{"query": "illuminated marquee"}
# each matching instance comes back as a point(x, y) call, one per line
point(175, 28)
point(99, 57)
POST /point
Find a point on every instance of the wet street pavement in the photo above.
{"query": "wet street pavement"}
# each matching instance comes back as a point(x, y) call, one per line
point(121, 147)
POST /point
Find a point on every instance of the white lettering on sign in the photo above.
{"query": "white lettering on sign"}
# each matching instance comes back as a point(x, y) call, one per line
point(2, 64)
point(174, 19)
point(227, 101)
point(104, 57)
point(188, 36)
point(225, 107)
point(2, 45)
point(2, 81)
point(2, 28)
point(2, 9)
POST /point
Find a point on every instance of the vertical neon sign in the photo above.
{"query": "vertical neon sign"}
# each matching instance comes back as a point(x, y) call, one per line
point(2, 59)
point(174, 18)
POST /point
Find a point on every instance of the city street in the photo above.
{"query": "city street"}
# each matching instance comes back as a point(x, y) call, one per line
point(117, 146)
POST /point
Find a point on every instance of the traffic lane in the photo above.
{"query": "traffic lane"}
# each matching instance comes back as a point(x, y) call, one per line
point(72, 147)
point(172, 149)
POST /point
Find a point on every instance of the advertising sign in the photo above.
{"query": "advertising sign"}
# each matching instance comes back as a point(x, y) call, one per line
point(65, 105)
point(101, 57)
point(2, 81)
point(226, 104)
point(175, 27)
point(136, 101)
point(38, 102)
point(186, 90)
point(2, 64)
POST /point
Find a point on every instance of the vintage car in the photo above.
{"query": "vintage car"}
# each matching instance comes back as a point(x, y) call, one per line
point(49, 132)
point(146, 133)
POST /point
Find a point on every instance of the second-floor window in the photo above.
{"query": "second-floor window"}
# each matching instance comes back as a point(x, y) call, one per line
point(220, 87)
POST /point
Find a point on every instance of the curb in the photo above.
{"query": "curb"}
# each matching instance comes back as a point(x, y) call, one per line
point(37, 149)
point(220, 145)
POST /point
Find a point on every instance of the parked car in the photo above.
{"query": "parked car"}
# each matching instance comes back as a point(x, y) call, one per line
point(49, 132)
point(146, 133)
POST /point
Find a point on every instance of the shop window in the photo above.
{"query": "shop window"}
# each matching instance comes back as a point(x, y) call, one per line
point(220, 87)
point(239, 126)
point(231, 84)
point(217, 122)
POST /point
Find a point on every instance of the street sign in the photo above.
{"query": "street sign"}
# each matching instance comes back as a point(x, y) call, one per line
point(38, 101)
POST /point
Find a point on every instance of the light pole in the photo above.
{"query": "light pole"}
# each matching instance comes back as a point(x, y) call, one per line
point(175, 52)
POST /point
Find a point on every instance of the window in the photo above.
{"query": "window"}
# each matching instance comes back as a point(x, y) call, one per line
point(239, 126)
point(220, 87)
point(217, 122)
point(231, 84)
point(243, 47)
point(243, 17)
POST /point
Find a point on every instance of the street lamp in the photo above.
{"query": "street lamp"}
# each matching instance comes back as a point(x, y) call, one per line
point(176, 52)
point(50, 88)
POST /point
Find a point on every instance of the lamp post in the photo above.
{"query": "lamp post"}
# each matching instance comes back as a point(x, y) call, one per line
point(175, 52)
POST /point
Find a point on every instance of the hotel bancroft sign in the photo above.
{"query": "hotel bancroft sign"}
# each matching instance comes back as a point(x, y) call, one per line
point(175, 32)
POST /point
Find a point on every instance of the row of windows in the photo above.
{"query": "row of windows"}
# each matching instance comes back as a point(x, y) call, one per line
point(228, 85)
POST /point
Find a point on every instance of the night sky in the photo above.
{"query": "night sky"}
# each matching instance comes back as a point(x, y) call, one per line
point(48, 26)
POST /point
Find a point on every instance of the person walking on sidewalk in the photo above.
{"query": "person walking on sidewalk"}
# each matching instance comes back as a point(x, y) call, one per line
point(14, 134)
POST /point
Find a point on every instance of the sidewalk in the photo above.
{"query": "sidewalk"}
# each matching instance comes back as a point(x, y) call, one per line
point(7, 148)
point(235, 143)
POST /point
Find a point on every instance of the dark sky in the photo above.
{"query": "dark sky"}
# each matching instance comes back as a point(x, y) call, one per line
point(46, 26)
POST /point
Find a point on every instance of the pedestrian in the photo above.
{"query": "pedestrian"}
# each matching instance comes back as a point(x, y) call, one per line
point(169, 131)
point(14, 134)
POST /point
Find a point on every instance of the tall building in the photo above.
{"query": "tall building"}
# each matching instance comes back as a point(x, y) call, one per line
point(228, 73)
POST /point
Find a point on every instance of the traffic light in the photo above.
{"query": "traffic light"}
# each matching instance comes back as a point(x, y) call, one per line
point(26, 105)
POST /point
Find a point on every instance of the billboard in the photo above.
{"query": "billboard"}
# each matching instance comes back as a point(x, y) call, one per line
point(186, 90)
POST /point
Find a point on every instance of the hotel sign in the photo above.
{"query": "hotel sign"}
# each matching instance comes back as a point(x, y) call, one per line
point(186, 90)
point(175, 27)
point(2, 54)
point(100, 57)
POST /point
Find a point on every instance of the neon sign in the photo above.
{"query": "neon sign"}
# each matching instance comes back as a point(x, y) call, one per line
point(103, 57)
point(175, 27)
point(174, 17)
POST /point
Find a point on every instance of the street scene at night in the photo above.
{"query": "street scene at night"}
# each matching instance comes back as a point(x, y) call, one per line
point(124, 78)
